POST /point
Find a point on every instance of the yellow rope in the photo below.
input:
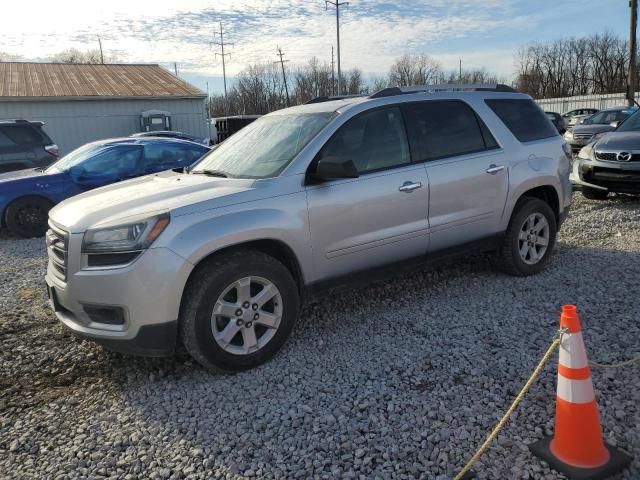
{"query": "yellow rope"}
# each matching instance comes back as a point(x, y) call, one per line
point(512, 408)
point(615, 365)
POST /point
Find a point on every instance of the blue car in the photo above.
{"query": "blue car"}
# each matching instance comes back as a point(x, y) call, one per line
point(26, 196)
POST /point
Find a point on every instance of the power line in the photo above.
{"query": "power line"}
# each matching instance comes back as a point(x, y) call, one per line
point(284, 76)
point(221, 44)
point(337, 4)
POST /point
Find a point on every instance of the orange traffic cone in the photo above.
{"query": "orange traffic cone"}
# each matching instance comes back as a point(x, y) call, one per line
point(577, 448)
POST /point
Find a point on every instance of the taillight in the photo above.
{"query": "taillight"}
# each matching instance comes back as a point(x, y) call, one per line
point(52, 150)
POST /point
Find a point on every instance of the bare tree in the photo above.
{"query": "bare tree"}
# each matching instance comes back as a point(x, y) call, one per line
point(576, 66)
point(414, 70)
point(74, 55)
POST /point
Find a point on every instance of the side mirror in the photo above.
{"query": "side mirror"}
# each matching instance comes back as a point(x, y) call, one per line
point(614, 124)
point(331, 168)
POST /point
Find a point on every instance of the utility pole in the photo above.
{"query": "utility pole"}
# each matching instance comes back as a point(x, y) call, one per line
point(284, 76)
point(175, 68)
point(460, 72)
point(631, 79)
point(333, 74)
point(101, 55)
point(222, 54)
point(337, 4)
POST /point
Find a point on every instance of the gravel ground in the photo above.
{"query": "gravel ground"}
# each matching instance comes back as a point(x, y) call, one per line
point(401, 379)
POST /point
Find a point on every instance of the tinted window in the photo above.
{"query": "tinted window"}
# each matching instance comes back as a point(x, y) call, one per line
point(373, 141)
point(164, 156)
point(524, 118)
point(22, 134)
point(444, 129)
point(631, 124)
point(116, 161)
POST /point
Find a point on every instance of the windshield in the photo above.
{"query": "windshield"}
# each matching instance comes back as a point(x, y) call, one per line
point(263, 148)
point(74, 158)
point(631, 124)
point(605, 117)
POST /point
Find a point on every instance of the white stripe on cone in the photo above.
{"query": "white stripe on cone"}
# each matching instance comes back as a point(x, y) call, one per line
point(575, 391)
point(572, 352)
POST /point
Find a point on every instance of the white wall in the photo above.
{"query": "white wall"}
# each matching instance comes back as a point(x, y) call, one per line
point(72, 123)
point(562, 105)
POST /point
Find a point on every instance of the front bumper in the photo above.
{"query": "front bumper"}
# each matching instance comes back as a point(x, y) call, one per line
point(621, 177)
point(146, 294)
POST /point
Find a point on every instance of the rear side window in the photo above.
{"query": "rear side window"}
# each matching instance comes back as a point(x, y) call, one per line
point(524, 118)
point(21, 134)
point(445, 129)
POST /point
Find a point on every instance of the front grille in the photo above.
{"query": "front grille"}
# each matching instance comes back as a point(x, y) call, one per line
point(57, 249)
point(582, 136)
point(613, 157)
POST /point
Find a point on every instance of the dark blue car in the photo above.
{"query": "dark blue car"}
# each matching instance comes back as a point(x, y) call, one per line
point(26, 196)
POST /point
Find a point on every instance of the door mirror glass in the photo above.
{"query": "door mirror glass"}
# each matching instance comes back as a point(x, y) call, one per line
point(614, 124)
point(330, 168)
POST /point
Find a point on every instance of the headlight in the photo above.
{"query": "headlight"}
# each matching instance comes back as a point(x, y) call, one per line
point(586, 152)
point(127, 237)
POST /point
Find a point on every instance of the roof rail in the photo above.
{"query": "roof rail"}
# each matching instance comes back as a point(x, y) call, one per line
point(444, 87)
point(326, 98)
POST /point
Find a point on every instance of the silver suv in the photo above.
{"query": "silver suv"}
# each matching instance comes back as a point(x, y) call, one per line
point(222, 256)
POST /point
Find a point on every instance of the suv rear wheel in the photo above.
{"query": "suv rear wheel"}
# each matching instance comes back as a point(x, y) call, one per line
point(529, 240)
point(238, 311)
point(27, 216)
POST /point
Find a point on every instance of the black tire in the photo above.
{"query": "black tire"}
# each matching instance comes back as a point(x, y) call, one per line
point(204, 288)
point(27, 216)
point(593, 194)
point(508, 258)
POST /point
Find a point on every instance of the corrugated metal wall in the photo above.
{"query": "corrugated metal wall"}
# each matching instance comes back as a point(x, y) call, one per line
point(72, 123)
point(562, 105)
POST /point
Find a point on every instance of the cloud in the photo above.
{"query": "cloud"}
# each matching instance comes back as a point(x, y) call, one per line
point(374, 32)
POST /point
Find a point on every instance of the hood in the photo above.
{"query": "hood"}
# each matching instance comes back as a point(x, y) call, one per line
point(619, 141)
point(178, 193)
point(21, 175)
point(592, 129)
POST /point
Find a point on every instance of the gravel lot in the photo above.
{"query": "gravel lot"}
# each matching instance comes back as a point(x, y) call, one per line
point(402, 379)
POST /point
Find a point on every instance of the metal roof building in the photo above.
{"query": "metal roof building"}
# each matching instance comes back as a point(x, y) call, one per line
point(82, 103)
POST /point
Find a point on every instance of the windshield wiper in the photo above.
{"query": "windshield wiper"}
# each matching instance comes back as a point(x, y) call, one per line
point(211, 173)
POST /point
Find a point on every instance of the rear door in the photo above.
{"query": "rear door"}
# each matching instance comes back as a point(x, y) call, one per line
point(466, 167)
point(379, 217)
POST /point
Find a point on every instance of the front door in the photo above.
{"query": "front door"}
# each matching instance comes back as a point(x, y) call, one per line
point(378, 218)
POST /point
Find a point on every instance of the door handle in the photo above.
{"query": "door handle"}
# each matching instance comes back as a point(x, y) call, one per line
point(493, 169)
point(408, 187)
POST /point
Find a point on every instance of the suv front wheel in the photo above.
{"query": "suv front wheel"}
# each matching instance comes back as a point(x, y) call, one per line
point(238, 311)
point(529, 239)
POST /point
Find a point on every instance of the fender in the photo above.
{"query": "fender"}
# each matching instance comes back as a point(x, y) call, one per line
point(522, 180)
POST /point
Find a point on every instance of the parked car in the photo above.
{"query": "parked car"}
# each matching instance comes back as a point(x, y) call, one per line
point(172, 134)
point(222, 256)
point(611, 163)
point(26, 196)
point(603, 121)
point(557, 121)
point(574, 117)
point(25, 144)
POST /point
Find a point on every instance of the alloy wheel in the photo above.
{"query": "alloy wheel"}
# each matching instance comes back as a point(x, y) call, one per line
point(533, 238)
point(246, 316)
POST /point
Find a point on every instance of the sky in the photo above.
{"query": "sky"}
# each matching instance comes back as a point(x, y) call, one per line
point(482, 33)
